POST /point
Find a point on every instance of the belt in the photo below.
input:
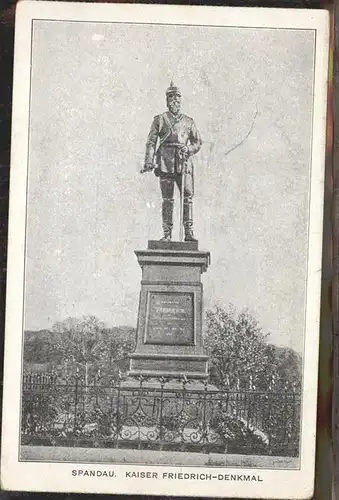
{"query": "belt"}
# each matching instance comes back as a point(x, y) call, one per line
point(172, 144)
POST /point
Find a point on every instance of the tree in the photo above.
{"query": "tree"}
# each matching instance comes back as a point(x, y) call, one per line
point(241, 357)
point(81, 343)
point(120, 341)
point(84, 345)
point(236, 344)
point(285, 365)
point(39, 347)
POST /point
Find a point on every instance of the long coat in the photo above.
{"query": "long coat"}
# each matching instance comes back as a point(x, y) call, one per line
point(167, 136)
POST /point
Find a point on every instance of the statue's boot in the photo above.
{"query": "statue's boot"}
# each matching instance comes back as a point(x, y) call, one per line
point(167, 219)
point(188, 220)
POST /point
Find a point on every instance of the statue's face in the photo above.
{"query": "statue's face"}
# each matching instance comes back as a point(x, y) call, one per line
point(174, 103)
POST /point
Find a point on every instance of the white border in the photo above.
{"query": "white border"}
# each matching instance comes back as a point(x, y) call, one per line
point(57, 477)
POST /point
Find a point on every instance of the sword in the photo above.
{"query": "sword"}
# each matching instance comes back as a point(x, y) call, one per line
point(183, 157)
point(181, 226)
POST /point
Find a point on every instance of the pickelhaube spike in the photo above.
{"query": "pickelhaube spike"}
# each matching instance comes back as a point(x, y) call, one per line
point(173, 89)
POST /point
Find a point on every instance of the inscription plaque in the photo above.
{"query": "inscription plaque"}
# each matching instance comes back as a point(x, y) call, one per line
point(170, 318)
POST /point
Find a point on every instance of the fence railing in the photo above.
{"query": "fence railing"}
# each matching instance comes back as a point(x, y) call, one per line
point(163, 414)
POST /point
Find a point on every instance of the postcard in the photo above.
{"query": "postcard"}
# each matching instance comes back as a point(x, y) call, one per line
point(165, 244)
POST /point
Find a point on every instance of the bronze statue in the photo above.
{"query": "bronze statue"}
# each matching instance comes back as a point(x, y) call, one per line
point(171, 142)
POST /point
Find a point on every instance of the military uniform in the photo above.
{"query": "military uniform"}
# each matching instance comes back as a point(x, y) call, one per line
point(168, 136)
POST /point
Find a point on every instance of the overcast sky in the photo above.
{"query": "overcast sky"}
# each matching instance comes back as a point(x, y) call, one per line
point(95, 90)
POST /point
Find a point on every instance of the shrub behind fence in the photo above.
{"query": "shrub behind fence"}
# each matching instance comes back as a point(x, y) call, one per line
point(163, 414)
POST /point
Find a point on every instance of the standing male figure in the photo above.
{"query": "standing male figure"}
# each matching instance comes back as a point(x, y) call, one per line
point(171, 142)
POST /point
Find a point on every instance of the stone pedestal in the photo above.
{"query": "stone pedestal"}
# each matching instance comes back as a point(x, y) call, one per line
point(169, 331)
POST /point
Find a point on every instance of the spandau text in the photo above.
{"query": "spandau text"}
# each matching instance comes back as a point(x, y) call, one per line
point(93, 473)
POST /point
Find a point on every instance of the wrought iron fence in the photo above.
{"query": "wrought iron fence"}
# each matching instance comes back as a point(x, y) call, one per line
point(162, 414)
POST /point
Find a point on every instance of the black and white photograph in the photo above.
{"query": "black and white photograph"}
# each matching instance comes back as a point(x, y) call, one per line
point(164, 263)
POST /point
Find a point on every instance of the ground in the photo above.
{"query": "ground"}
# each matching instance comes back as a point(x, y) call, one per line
point(145, 457)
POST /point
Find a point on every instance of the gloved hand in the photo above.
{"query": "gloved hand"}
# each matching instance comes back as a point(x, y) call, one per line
point(148, 167)
point(183, 153)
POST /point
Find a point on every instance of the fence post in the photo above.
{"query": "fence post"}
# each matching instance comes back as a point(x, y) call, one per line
point(204, 422)
point(269, 413)
point(76, 395)
point(117, 420)
point(162, 383)
point(295, 424)
point(184, 384)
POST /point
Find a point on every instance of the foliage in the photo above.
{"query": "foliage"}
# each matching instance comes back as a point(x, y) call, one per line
point(80, 343)
point(115, 361)
point(242, 359)
point(239, 437)
point(235, 343)
point(286, 365)
point(84, 346)
point(281, 422)
point(38, 413)
point(40, 348)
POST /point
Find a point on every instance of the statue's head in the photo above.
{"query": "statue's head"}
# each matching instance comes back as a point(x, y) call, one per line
point(173, 99)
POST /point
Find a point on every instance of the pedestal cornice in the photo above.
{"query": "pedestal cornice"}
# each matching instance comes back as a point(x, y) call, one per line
point(175, 253)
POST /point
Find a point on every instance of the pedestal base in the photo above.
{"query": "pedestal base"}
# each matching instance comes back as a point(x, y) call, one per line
point(163, 365)
point(169, 332)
